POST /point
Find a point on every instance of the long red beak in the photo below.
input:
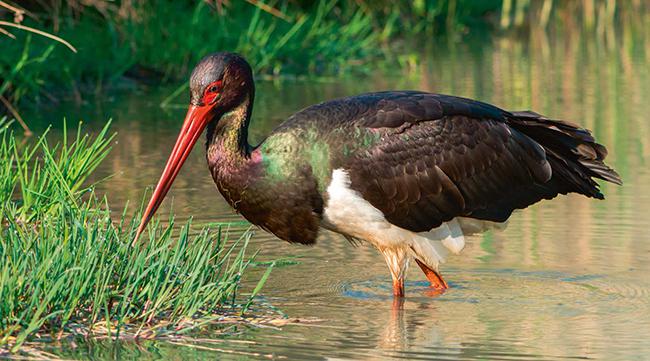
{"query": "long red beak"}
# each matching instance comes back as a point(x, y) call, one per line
point(195, 121)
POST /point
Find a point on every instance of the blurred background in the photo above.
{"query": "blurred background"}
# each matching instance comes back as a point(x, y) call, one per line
point(110, 44)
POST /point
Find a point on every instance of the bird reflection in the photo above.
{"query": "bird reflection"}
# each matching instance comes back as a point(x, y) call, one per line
point(411, 322)
point(395, 335)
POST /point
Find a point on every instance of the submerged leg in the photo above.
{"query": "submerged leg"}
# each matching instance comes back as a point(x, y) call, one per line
point(434, 277)
point(397, 260)
point(398, 287)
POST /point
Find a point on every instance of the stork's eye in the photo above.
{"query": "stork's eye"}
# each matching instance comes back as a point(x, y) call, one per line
point(211, 92)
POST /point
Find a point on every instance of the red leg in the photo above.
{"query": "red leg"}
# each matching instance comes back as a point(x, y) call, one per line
point(397, 307)
point(397, 260)
point(434, 277)
point(398, 287)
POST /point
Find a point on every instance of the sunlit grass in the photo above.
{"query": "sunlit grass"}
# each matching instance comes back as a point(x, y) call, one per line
point(67, 265)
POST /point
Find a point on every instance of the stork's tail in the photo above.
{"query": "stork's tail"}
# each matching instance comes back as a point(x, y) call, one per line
point(433, 247)
point(572, 152)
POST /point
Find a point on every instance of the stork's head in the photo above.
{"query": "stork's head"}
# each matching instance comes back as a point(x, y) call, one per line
point(220, 81)
point(218, 84)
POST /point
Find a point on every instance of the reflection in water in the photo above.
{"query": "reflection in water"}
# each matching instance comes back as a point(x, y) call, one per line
point(395, 335)
point(531, 314)
point(567, 279)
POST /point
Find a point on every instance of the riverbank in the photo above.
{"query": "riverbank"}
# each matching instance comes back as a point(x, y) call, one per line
point(68, 267)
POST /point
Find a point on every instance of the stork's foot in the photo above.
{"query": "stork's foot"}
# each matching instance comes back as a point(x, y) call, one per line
point(434, 277)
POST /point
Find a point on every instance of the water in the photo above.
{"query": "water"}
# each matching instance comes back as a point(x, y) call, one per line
point(567, 279)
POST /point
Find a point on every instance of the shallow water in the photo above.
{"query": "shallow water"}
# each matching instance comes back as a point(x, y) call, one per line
point(568, 278)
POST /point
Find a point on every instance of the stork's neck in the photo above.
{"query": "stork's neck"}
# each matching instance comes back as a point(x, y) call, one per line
point(228, 151)
point(229, 154)
point(228, 135)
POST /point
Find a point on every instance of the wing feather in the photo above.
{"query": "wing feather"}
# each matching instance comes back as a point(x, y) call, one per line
point(444, 168)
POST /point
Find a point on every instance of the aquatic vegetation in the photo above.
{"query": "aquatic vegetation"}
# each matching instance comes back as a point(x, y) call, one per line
point(67, 264)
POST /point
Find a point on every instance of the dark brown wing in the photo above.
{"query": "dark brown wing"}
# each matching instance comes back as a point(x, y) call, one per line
point(423, 159)
point(389, 109)
point(440, 157)
point(454, 166)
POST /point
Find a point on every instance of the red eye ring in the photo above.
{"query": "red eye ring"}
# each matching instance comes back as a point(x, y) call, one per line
point(213, 87)
point(211, 92)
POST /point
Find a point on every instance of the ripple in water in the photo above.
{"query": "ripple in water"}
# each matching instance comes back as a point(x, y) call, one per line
point(534, 289)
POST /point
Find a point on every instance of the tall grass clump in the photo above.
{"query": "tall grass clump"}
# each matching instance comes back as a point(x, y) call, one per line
point(67, 267)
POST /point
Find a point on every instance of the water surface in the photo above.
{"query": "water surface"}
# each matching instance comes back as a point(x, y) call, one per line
point(567, 279)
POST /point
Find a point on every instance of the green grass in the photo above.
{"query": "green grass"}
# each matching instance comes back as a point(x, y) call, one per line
point(68, 267)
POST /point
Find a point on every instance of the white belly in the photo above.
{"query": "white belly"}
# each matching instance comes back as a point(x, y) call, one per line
point(348, 213)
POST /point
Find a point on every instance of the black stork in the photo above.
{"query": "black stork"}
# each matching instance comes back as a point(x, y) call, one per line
point(402, 170)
